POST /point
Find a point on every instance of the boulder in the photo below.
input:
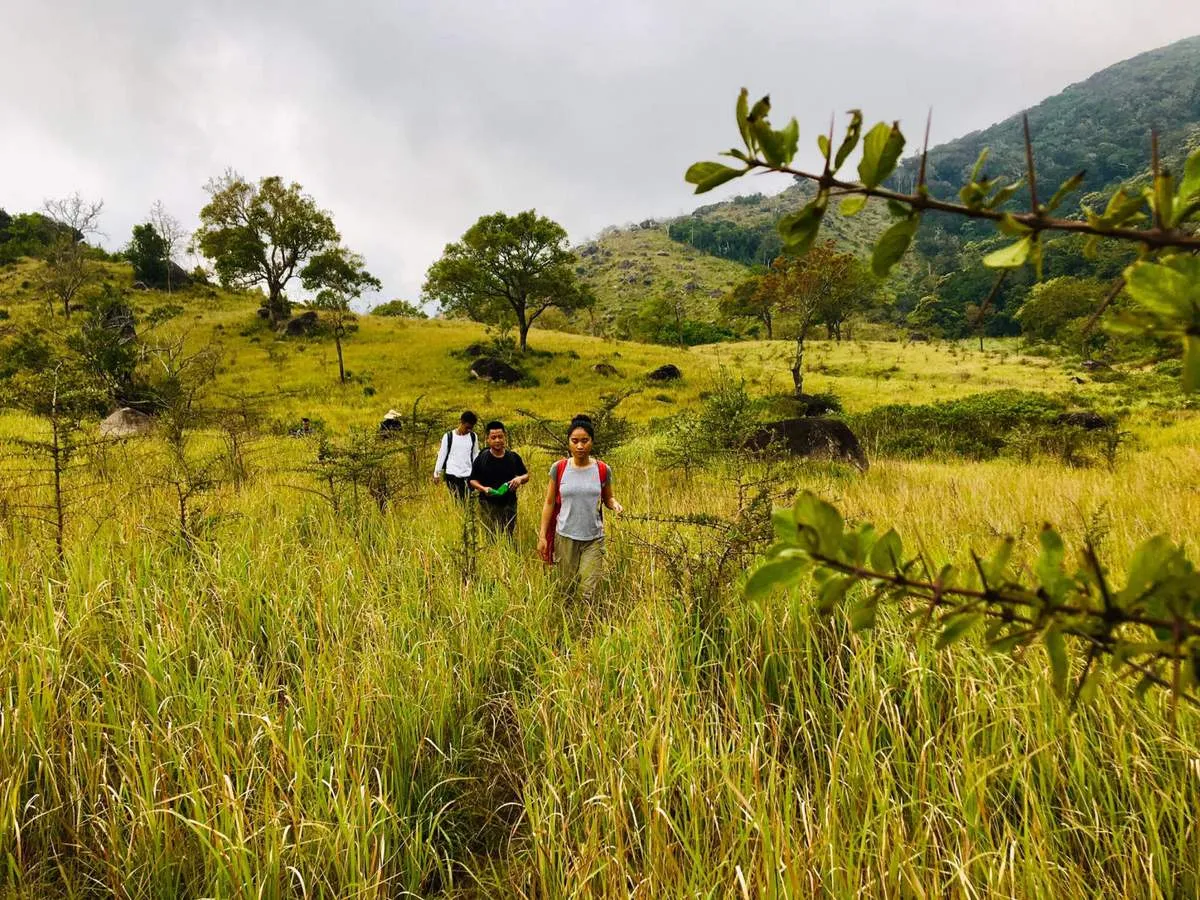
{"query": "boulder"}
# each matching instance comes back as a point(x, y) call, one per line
point(918, 337)
point(263, 313)
point(302, 325)
point(1087, 419)
point(125, 422)
point(488, 368)
point(605, 369)
point(811, 437)
point(1093, 365)
point(669, 372)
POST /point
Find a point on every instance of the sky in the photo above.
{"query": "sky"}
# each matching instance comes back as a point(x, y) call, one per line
point(408, 120)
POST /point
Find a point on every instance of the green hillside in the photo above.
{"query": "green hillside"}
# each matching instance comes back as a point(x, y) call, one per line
point(1102, 125)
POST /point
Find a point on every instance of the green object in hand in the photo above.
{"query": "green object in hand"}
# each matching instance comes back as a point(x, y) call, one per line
point(500, 491)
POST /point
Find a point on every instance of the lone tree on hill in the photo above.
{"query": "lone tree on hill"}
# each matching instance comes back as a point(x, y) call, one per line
point(262, 234)
point(147, 253)
point(508, 267)
point(68, 267)
point(338, 276)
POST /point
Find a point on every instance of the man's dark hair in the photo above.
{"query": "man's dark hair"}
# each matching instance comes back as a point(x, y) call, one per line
point(468, 418)
point(496, 425)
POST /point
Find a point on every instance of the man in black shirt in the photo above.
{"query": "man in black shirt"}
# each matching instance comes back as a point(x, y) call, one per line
point(496, 474)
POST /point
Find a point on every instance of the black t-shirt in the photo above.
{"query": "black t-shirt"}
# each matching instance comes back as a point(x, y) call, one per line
point(493, 471)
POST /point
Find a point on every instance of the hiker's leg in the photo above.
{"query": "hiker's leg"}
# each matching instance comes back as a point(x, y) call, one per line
point(457, 486)
point(591, 568)
point(566, 561)
point(508, 520)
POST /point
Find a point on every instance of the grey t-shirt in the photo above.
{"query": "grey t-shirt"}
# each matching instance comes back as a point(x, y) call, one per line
point(579, 518)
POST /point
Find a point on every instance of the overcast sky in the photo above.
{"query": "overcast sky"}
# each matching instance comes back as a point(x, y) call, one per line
point(408, 120)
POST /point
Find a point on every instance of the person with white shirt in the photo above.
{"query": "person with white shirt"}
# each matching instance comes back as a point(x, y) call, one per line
point(456, 454)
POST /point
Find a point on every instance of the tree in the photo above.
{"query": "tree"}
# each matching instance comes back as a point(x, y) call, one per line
point(806, 287)
point(339, 276)
point(508, 268)
point(68, 269)
point(262, 234)
point(401, 309)
point(1053, 305)
point(147, 253)
point(172, 234)
point(749, 301)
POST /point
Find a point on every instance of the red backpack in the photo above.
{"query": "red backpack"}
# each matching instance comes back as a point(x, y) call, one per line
point(559, 468)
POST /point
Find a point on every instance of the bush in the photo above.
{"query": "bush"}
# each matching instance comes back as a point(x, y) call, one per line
point(401, 309)
point(980, 426)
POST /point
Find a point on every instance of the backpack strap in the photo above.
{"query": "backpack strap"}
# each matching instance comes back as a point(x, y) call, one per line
point(446, 458)
point(602, 471)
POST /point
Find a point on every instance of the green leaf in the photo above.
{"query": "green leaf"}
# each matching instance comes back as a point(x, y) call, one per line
point(881, 151)
point(823, 520)
point(1049, 566)
point(850, 141)
point(1056, 650)
point(862, 613)
point(770, 142)
point(823, 145)
point(774, 574)
point(1067, 187)
point(799, 229)
point(708, 175)
point(784, 524)
point(1003, 195)
point(956, 628)
point(887, 554)
point(852, 206)
point(832, 593)
point(743, 115)
point(983, 155)
point(1189, 185)
point(995, 568)
point(1166, 288)
point(892, 245)
point(899, 210)
point(1010, 226)
point(1011, 257)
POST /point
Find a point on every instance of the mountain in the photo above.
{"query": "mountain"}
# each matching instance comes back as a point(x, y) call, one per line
point(1101, 125)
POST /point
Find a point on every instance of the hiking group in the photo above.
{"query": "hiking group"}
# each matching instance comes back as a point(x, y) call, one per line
point(571, 532)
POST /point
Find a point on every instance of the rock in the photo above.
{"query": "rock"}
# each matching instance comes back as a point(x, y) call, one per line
point(918, 337)
point(1093, 365)
point(488, 368)
point(475, 349)
point(692, 286)
point(1075, 379)
point(1087, 419)
point(625, 264)
point(647, 281)
point(302, 325)
point(589, 250)
point(669, 372)
point(714, 293)
point(125, 422)
point(263, 313)
point(811, 437)
point(605, 369)
point(662, 253)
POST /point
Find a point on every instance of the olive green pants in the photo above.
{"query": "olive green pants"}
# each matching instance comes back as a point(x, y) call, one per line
point(580, 564)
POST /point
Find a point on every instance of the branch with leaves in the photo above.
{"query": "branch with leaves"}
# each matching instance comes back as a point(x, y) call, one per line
point(1149, 628)
point(1161, 219)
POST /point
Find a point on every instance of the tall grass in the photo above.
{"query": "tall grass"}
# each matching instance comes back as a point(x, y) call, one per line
point(301, 704)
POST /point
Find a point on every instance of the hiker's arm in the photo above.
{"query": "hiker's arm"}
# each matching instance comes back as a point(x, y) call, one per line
point(521, 478)
point(547, 515)
point(475, 485)
point(437, 460)
point(610, 501)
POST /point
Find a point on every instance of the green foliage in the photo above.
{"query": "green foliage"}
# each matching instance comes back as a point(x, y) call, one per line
point(979, 426)
point(400, 309)
point(147, 253)
point(1055, 305)
point(1150, 627)
point(505, 269)
point(1159, 217)
point(28, 234)
point(756, 245)
point(262, 234)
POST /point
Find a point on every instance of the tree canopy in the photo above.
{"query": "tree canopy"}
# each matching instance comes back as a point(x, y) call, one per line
point(508, 269)
point(263, 234)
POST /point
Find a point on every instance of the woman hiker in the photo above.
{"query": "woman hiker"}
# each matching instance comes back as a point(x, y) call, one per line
point(572, 532)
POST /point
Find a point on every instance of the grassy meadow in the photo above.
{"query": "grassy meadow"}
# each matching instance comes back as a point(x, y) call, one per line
point(303, 702)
